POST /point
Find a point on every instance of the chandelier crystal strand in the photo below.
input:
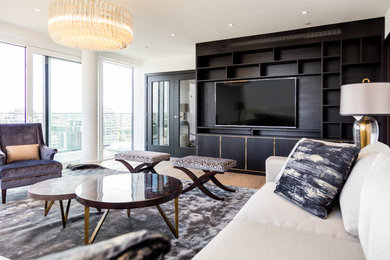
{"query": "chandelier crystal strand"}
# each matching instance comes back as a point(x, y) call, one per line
point(97, 25)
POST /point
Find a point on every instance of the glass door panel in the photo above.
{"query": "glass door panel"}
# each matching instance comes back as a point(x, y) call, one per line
point(187, 113)
point(65, 105)
point(117, 109)
point(160, 113)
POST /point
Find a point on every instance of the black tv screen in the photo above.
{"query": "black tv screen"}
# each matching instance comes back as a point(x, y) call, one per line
point(269, 103)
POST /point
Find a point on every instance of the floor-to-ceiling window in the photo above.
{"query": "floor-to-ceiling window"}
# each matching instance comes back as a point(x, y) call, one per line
point(57, 103)
point(117, 100)
point(12, 84)
point(64, 105)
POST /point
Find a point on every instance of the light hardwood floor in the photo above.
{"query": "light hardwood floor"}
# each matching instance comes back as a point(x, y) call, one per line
point(228, 178)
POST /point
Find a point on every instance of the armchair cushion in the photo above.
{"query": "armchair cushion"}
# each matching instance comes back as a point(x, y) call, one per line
point(136, 245)
point(47, 153)
point(29, 168)
point(26, 152)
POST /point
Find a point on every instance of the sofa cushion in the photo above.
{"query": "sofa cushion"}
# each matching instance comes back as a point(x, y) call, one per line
point(374, 214)
point(29, 168)
point(273, 166)
point(246, 240)
point(350, 194)
point(315, 174)
point(265, 207)
point(17, 153)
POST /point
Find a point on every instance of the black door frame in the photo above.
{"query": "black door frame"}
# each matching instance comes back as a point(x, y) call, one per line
point(174, 142)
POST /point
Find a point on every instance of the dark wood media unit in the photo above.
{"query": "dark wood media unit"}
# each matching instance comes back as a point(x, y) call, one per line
point(321, 58)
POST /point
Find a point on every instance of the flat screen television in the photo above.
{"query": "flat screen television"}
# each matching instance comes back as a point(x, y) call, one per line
point(256, 103)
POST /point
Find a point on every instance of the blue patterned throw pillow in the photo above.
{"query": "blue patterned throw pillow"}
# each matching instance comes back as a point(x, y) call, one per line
point(315, 173)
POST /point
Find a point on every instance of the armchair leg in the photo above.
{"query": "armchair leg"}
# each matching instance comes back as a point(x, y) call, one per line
point(3, 195)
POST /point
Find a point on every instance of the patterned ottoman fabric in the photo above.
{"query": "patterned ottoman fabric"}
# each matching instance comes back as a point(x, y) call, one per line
point(204, 163)
point(143, 156)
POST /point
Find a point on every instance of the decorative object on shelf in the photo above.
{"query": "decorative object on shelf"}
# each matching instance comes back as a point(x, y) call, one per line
point(362, 100)
point(184, 125)
point(97, 25)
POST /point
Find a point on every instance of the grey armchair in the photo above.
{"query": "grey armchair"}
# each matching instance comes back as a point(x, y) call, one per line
point(22, 173)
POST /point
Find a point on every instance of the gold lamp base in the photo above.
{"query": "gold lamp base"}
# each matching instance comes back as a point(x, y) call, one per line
point(365, 131)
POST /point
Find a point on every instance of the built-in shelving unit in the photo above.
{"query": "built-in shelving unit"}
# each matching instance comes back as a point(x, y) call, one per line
point(321, 58)
point(345, 62)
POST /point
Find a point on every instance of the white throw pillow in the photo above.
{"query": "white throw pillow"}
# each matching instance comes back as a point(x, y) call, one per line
point(350, 194)
point(374, 216)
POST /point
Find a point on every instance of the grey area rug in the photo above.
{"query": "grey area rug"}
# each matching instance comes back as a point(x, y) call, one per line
point(26, 234)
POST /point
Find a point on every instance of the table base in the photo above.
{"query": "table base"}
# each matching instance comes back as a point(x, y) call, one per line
point(64, 215)
point(89, 240)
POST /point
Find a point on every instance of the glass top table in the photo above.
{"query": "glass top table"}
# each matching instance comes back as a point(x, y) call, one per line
point(127, 191)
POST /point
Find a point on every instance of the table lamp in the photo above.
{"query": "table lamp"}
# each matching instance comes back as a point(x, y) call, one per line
point(362, 100)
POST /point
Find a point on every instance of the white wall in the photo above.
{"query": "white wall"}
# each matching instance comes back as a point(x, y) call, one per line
point(170, 64)
point(387, 23)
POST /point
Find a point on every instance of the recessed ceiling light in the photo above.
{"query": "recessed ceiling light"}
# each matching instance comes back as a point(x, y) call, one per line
point(305, 12)
point(231, 24)
point(173, 34)
point(37, 10)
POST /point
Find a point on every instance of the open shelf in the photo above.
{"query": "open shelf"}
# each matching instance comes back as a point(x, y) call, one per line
point(254, 56)
point(215, 60)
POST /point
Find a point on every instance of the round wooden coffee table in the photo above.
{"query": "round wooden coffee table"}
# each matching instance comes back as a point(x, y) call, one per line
point(127, 191)
point(60, 189)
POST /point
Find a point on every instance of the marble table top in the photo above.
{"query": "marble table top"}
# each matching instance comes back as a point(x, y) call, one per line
point(62, 188)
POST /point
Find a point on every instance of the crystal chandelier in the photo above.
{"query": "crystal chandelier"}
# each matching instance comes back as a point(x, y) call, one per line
point(97, 25)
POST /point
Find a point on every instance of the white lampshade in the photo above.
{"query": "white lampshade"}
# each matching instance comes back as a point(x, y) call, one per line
point(365, 99)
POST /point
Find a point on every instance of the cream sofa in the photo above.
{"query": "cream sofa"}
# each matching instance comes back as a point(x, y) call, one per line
point(270, 227)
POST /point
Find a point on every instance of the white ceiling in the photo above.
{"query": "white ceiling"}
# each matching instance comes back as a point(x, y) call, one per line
point(196, 21)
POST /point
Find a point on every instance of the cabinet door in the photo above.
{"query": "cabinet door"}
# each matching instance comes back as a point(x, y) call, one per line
point(283, 147)
point(234, 148)
point(208, 145)
point(258, 150)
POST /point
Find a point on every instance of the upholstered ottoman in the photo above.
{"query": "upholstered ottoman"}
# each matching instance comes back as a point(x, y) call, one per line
point(210, 166)
point(148, 160)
